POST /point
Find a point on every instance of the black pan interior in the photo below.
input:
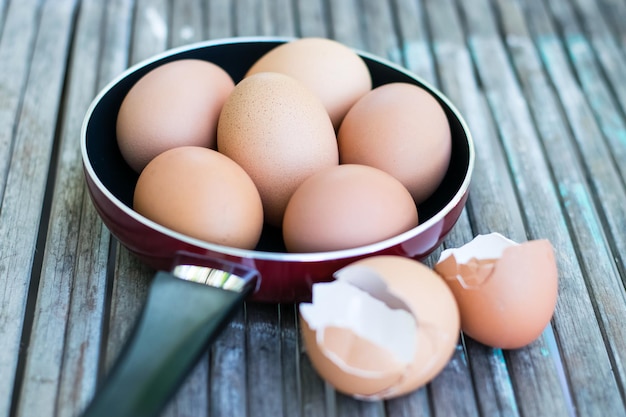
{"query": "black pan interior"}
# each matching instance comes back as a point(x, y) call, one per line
point(236, 58)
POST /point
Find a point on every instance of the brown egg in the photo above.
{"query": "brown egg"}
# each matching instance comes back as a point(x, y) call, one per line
point(334, 72)
point(175, 104)
point(346, 206)
point(403, 130)
point(280, 133)
point(506, 291)
point(203, 194)
point(387, 326)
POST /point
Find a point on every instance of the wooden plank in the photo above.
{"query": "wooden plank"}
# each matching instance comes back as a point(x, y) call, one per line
point(290, 359)
point(416, 55)
point(26, 181)
point(605, 163)
point(187, 22)
point(377, 29)
point(415, 404)
point(53, 348)
point(492, 207)
point(81, 365)
point(609, 55)
point(313, 389)
point(264, 359)
point(312, 18)
point(597, 260)
point(3, 10)
point(128, 295)
point(456, 377)
point(475, 369)
point(116, 39)
point(614, 11)
point(490, 382)
point(220, 18)
point(415, 51)
point(574, 318)
point(228, 387)
point(151, 29)
point(346, 23)
point(192, 399)
point(16, 45)
point(264, 17)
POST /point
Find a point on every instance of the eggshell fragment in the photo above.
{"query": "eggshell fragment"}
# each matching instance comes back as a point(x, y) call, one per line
point(385, 327)
point(506, 291)
point(367, 343)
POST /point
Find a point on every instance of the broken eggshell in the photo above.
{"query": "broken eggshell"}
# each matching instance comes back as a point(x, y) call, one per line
point(386, 326)
point(506, 291)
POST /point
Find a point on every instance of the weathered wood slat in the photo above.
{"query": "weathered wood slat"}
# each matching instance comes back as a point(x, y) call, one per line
point(594, 251)
point(543, 89)
point(543, 219)
point(25, 187)
point(16, 46)
point(377, 29)
point(192, 399)
point(290, 360)
point(311, 16)
point(61, 348)
point(609, 54)
point(614, 11)
point(220, 19)
point(417, 56)
point(151, 29)
point(346, 23)
point(87, 313)
point(128, 295)
point(457, 375)
point(228, 386)
point(604, 162)
point(264, 359)
point(116, 38)
point(492, 206)
point(3, 9)
point(187, 22)
point(258, 17)
point(415, 51)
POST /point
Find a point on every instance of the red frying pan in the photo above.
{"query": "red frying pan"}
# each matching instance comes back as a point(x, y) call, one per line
point(181, 316)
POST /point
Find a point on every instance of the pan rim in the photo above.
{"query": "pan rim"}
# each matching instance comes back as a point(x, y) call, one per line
point(266, 255)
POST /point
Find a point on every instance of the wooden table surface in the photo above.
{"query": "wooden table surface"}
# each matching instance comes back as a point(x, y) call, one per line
point(542, 85)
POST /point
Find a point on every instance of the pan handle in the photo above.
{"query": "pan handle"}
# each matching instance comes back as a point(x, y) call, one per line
point(179, 320)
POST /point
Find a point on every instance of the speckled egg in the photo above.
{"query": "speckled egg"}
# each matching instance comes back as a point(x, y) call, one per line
point(279, 132)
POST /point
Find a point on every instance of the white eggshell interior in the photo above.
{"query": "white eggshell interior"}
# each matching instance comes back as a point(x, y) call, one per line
point(489, 246)
point(342, 304)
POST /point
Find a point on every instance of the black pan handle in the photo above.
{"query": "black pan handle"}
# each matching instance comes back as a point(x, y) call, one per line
point(178, 322)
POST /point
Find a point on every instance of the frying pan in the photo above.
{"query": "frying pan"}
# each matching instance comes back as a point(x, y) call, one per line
point(181, 316)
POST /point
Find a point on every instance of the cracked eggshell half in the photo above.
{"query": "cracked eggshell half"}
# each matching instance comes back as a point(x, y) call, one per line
point(386, 326)
point(506, 292)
